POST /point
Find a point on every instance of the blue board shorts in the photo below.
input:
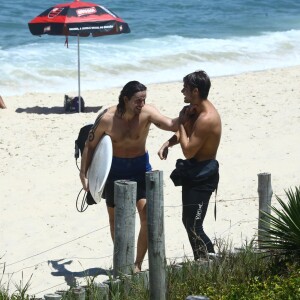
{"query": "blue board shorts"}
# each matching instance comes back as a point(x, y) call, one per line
point(133, 169)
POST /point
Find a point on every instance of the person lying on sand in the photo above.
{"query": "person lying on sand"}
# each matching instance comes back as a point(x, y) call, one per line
point(2, 104)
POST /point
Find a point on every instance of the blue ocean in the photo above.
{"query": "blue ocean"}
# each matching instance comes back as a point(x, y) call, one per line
point(168, 39)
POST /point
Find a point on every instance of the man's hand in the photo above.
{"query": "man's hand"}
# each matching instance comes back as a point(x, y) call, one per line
point(185, 114)
point(84, 181)
point(163, 152)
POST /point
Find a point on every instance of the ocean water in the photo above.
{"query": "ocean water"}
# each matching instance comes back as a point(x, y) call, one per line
point(168, 39)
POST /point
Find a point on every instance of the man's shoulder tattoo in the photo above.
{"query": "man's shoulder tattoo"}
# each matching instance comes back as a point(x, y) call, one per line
point(96, 124)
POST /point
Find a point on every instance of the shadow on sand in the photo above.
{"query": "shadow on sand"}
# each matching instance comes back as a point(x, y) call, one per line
point(70, 277)
point(54, 110)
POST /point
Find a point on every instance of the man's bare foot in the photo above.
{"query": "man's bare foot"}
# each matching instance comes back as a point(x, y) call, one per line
point(137, 268)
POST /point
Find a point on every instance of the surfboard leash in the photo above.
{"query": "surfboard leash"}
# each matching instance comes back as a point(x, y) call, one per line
point(84, 204)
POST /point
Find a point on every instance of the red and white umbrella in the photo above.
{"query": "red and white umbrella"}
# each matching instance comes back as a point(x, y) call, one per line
point(79, 19)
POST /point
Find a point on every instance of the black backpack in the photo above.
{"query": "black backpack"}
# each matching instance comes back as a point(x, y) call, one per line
point(72, 104)
point(82, 137)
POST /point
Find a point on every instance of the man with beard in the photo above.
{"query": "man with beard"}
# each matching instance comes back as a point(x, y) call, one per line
point(127, 124)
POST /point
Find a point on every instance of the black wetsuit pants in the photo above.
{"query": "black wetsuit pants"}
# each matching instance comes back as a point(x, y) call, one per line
point(194, 206)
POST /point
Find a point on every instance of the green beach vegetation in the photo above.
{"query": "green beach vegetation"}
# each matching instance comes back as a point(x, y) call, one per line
point(270, 272)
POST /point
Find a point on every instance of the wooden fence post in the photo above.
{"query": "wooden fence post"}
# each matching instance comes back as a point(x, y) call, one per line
point(265, 193)
point(156, 237)
point(99, 291)
point(197, 298)
point(125, 203)
point(52, 296)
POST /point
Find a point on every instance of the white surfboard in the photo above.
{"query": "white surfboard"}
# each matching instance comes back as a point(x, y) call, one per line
point(100, 167)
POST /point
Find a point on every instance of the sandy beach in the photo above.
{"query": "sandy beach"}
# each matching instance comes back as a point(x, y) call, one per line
point(43, 235)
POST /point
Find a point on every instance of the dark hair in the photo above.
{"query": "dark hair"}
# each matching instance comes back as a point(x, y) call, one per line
point(128, 91)
point(200, 80)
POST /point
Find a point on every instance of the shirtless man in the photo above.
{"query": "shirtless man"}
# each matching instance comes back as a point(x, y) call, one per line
point(128, 126)
point(199, 136)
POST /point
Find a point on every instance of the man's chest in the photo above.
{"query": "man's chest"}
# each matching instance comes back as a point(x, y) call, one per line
point(129, 131)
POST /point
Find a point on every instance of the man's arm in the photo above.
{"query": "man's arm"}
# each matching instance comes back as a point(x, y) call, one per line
point(164, 149)
point(92, 141)
point(160, 120)
point(184, 115)
point(200, 131)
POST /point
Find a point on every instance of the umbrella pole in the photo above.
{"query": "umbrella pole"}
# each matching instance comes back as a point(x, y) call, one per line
point(78, 51)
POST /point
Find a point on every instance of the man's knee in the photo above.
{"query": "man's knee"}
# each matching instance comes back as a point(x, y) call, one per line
point(141, 207)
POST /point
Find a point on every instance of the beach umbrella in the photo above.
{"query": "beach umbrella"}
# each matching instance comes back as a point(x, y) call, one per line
point(78, 18)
